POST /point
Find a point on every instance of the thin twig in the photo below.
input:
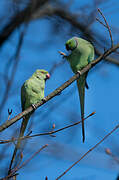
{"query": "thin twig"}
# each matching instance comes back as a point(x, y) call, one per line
point(14, 69)
point(91, 149)
point(101, 22)
point(9, 114)
point(108, 59)
point(47, 133)
point(107, 27)
point(60, 89)
point(27, 161)
point(7, 177)
point(13, 172)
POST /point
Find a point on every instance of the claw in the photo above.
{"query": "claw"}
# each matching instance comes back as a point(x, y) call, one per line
point(59, 93)
point(44, 99)
point(79, 72)
point(33, 106)
point(62, 54)
point(86, 84)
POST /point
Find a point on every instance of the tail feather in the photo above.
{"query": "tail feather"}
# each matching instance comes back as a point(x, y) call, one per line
point(81, 89)
point(16, 153)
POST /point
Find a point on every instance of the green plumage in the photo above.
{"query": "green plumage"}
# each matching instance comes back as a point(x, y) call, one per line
point(32, 92)
point(82, 53)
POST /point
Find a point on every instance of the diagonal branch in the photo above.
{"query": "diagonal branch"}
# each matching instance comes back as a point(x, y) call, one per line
point(107, 26)
point(46, 133)
point(91, 149)
point(14, 69)
point(13, 173)
point(108, 59)
point(59, 89)
point(37, 12)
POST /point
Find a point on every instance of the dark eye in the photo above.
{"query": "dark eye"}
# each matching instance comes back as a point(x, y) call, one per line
point(42, 72)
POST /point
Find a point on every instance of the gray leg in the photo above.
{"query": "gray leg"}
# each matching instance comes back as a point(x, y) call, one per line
point(33, 106)
point(79, 72)
point(44, 99)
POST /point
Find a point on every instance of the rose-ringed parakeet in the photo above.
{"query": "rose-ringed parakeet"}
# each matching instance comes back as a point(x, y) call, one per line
point(32, 92)
point(82, 53)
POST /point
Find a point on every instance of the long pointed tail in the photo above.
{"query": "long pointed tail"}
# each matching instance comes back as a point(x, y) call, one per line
point(14, 155)
point(81, 89)
point(17, 147)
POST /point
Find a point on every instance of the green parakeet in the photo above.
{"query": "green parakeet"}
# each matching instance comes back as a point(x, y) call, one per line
point(82, 53)
point(32, 92)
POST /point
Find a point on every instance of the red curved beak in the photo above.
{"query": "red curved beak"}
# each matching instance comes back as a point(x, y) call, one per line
point(47, 76)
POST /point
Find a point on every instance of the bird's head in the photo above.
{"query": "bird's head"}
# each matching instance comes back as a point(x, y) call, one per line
point(71, 44)
point(42, 74)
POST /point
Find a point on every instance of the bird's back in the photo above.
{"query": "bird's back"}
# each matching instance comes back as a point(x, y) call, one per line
point(31, 92)
point(82, 55)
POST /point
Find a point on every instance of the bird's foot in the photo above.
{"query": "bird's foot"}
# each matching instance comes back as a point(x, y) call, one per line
point(34, 106)
point(44, 99)
point(62, 54)
point(79, 72)
point(59, 93)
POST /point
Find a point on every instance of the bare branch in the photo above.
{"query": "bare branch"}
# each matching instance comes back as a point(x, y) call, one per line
point(108, 59)
point(107, 25)
point(91, 149)
point(47, 133)
point(58, 90)
point(14, 69)
point(101, 22)
point(9, 114)
point(48, 10)
point(13, 172)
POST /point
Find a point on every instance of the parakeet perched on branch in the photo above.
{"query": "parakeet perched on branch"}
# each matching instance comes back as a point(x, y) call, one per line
point(82, 53)
point(32, 92)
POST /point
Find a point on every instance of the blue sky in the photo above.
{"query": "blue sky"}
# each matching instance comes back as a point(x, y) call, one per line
point(39, 51)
